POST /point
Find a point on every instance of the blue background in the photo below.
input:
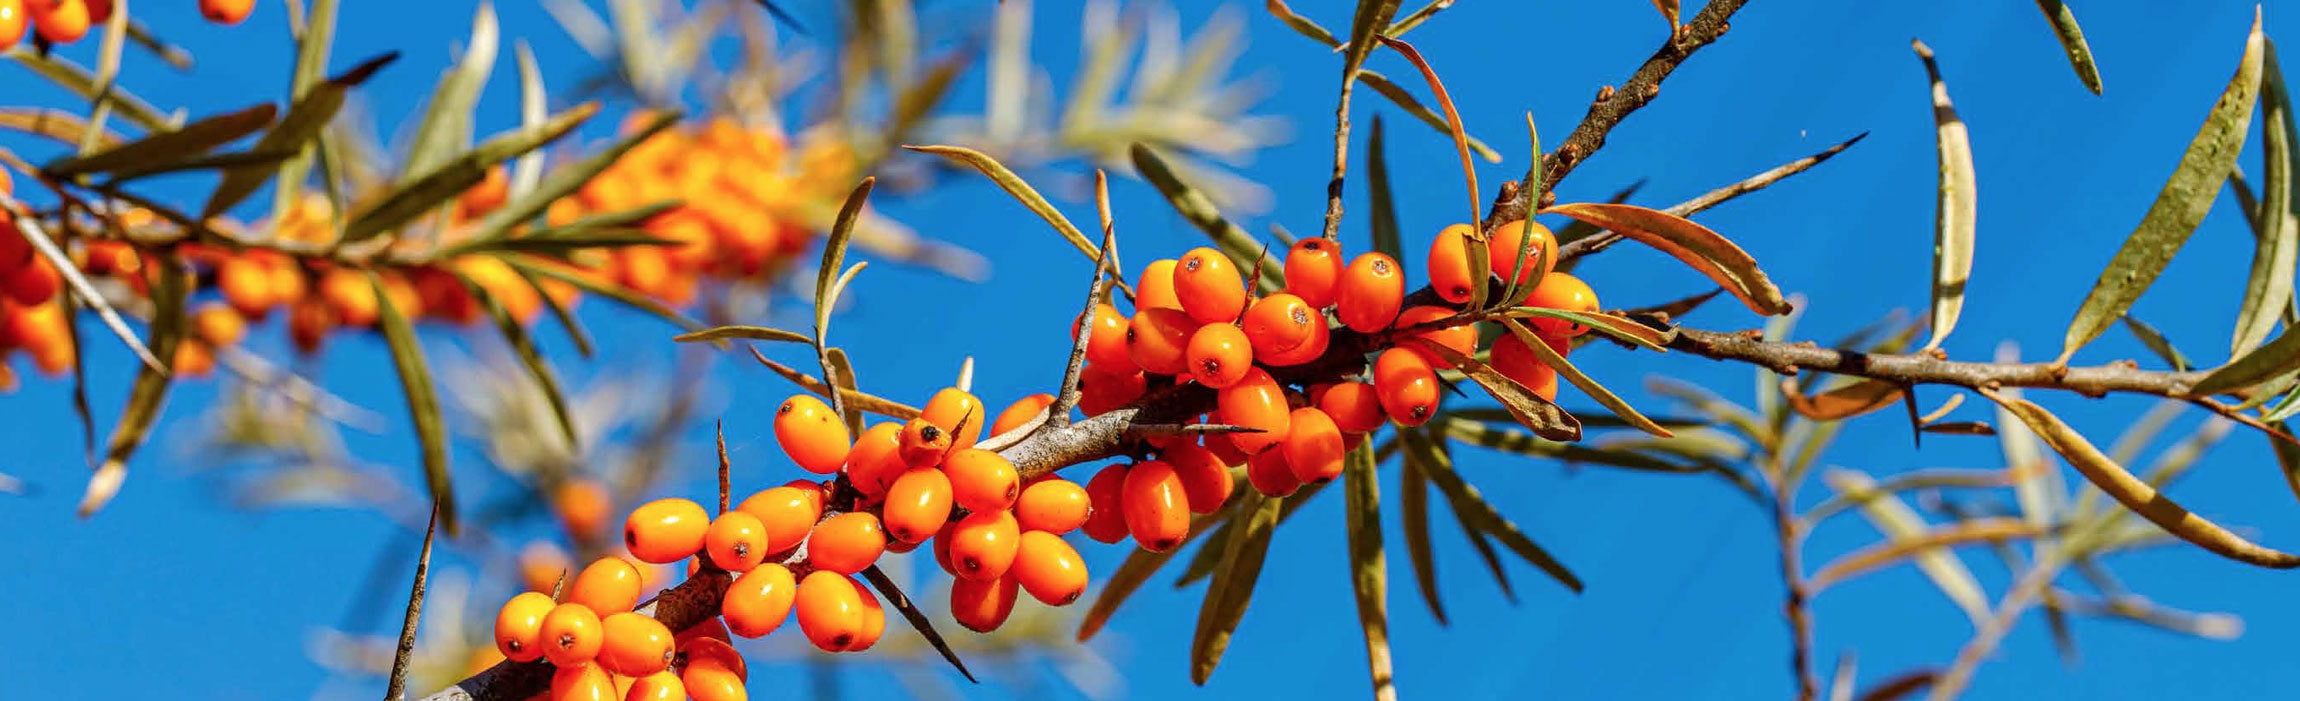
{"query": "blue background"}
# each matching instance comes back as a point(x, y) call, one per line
point(170, 593)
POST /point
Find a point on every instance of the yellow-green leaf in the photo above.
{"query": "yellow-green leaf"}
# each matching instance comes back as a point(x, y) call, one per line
point(171, 292)
point(1897, 521)
point(755, 333)
point(1954, 214)
point(429, 189)
point(1369, 575)
point(194, 139)
point(603, 288)
point(1615, 325)
point(422, 400)
point(2276, 234)
point(1414, 511)
point(446, 126)
point(1232, 588)
point(2072, 41)
point(1897, 549)
point(1016, 187)
point(565, 180)
point(73, 77)
point(305, 119)
point(1691, 243)
point(1479, 514)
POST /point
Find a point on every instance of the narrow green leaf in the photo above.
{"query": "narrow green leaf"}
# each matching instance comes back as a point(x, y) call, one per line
point(1195, 207)
point(1477, 512)
point(756, 333)
point(1233, 583)
point(1955, 215)
point(848, 383)
point(1128, 578)
point(1691, 243)
point(1380, 202)
point(1369, 576)
point(445, 130)
point(419, 194)
point(2268, 292)
point(171, 292)
point(829, 282)
point(516, 336)
point(2072, 41)
point(566, 317)
point(305, 119)
point(2179, 207)
point(1605, 397)
point(194, 139)
point(861, 400)
point(1614, 325)
point(79, 81)
point(564, 180)
point(2287, 457)
point(313, 41)
point(1936, 539)
point(1454, 126)
point(606, 289)
point(1897, 521)
point(1371, 18)
point(1514, 293)
point(2281, 356)
point(1541, 415)
point(422, 400)
point(2156, 343)
point(1020, 190)
point(1414, 511)
point(228, 161)
point(1413, 107)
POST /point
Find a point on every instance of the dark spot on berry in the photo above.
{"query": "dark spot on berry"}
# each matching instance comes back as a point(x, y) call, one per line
point(930, 433)
point(1381, 267)
point(1301, 315)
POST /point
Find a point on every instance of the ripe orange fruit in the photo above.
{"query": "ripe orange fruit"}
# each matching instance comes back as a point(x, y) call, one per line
point(1407, 387)
point(570, 634)
point(1563, 292)
point(1023, 410)
point(1107, 345)
point(1255, 401)
point(873, 619)
point(12, 25)
point(1314, 446)
point(1313, 267)
point(635, 646)
point(759, 600)
point(34, 283)
point(718, 652)
point(1514, 360)
point(846, 543)
point(1219, 355)
point(540, 566)
point(1106, 520)
point(923, 443)
point(63, 21)
point(830, 610)
point(737, 541)
point(812, 434)
point(581, 682)
point(785, 514)
point(665, 530)
point(582, 505)
point(982, 545)
point(1449, 265)
point(955, 408)
point(1270, 474)
point(1370, 291)
point(1209, 286)
point(226, 12)
point(1205, 480)
point(1049, 569)
point(983, 606)
point(1310, 350)
point(1158, 340)
point(1540, 256)
point(713, 683)
point(876, 459)
point(660, 686)
point(246, 285)
point(1054, 505)
point(1280, 323)
point(1355, 407)
point(216, 324)
point(1099, 392)
point(1157, 509)
point(608, 585)
point(308, 323)
point(1460, 337)
point(917, 505)
point(519, 625)
point(1155, 288)
point(981, 480)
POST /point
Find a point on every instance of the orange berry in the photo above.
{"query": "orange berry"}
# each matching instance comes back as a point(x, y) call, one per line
point(737, 541)
point(63, 21)
point(918, 504)
point(541, 564)
point(1219, 355)
point(1156, 507)
point(636, 645)
point(1257, 402)
point(217, 324)
point(873, 619)
point(718, 652)
point(846, 543)
point(812, 434)
point(1155, 289)
point(983, 606)
point(1106, 520)
point(981, 480)
point(876, 459)
point(1270, 474)
point(194, 358)
point(1516, 361)
point(1208, 286)
point(349, 294)
point(1107, 345)
point(1313, 266)
point(923, 443)
point(308, 322)
point(570, 634)
point(35, 283)
point(1449, 265)
point(1460, 337)
point(1563, 292)
point(226, 12)
point(1369, 293)
point(1314, 446)
point(1158, 340)
point(519, 626)
point(785, 514)
point(759, 600)
point(1407, 387)
point(246, 286)
point(660, 686)
point(1205, 480)
point(1280, 323)
point(1049, 569)
point(12, 25)
point(711, 629)
point(488, 194)
point(830, 610)
point(581, 682)
point(1099, 392)
point(1310, 350)
point(1540, 255)
point(1054, 505)
point(582, 505)
point(713, 683)
point(982, 545)
point(959, 410)
point(665, 530)
point(1022, 411)
point(1355, 407)
point(608, 585)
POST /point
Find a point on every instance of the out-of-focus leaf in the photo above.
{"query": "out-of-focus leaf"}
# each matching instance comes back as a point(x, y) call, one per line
point(918, 621)
point(428, 189)
point(1715, 408)
point(1380, 202)
point(1605, 397)
point(1844, 402)
point(1137, 568)
point(2279, 357)
point(1414, 511)
point(564, 180)
point(305, 119)
point(606, 289)
point(1691, 243)
point(1202, 562)
point(446, 126)
point(2287, 457)
point(79, 81)
point(2137, 495)
point(2179, 207)
point(559, 310)
point(313, 41)
point(57, 125)
point(1021, 192)
point(1369, 575)
point(1960, 428)
point(756, 333)
point(2212, 626)
point(911, 108)
point(194, 139)
point(2037, 484)
point(1897, 521)
point(2072, 41)
point(1541, 415)
point(1899, 685)
point(1477, 513)
point(422, 400)
point(2268, 292)
point(1615, 325)
point(1232, 587)
point(170, 294)
point(2156, 343)
point(1895, 550)
point(534, 108)
point(870, 403)
point(1955, 215)
point(1200, 212)
point(58, 260)
point(1938, 478)
point(516, 335)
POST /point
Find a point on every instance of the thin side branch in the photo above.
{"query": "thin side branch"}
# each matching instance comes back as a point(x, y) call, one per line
point(1712, 198)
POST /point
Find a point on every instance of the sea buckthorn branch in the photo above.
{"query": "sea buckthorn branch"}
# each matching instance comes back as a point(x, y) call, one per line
point(1605, 239)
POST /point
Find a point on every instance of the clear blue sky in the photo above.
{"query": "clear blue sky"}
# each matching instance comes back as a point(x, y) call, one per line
point(169, 593)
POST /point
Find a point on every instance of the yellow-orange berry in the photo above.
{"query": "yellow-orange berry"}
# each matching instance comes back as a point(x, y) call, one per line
point(665, 530)
point(1313, 267)
point(12, 25)
point(1219, 355)
point(570, 634)
point(246, 286)
point(846, 543)
point(982, 545)
point(830, 610)
point(1106, 520)
point(1406, 385)
point(759, 600)
point(737, 541)
point(1280, 323)
point(1355, 407)
point(226, 12)
point(1314, 446)
point(1312, 349)
point(65, 21)
point(349, 294)
point(1450, 272)
point(785, 514)
point(981, 480)
point(1155, 289)
point(1460, 337)
point(1270, 474)
point(918, 504)
point(217, 324)
point(923, 443)
point(1054, 505)
point(713, 683)
point(584, 681)
point(1370, 291)
point(876, 459)
point(660, 686)
point(1156, 507)
point(1049, 569)
point(983, 606)
point(1205, 480)
point(1565, 293)
point(1540, 254)
point(635, 645)
point(721, 653)
point(541, 564)
point(1516, 361)
point(1107, 345)
point(1208, 286)
point(1024, 409)
point(1255, 401)
point(519, 626)
point(1158, 340)
point(609, 585)
point(955, 408)
point(1099, 392)
point(812, 434)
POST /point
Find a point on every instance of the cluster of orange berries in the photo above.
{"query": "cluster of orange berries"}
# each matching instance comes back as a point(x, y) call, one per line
point(66, 21)
point(32, 316)
point(603, 649)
